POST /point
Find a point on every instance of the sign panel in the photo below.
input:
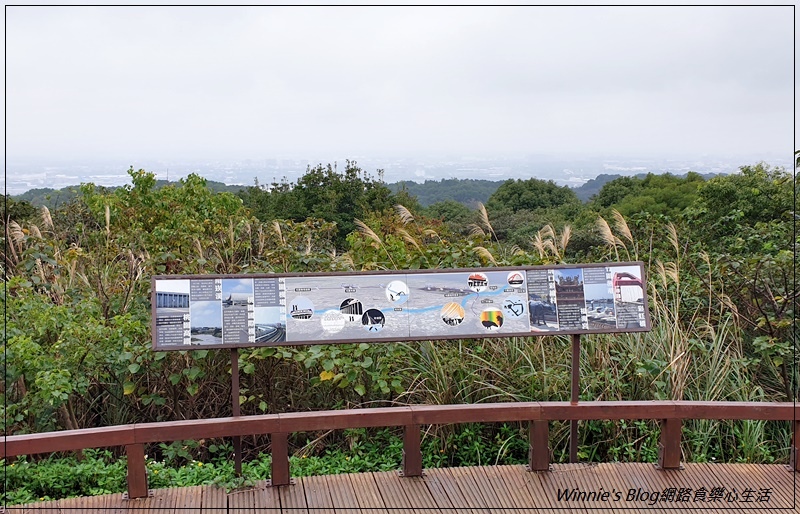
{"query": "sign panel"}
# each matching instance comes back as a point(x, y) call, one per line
point(229, 311)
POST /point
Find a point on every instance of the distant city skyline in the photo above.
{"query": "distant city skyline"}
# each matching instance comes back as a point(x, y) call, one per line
point(148, 84)
point(564, 170)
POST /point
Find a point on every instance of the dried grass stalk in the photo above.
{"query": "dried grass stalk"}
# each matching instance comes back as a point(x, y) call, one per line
point(605, 232)
point(475, 230)
point(408, 238)
point(566, 233)
point(364, 229)
point(485, 254)
point(47, 220)
point(621, 225)
point(405, 215)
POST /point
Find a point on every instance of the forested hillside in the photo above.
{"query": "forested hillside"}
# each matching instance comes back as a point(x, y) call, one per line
point(718, 254)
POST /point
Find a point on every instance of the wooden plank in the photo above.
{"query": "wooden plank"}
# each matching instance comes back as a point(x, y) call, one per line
point(318, 495)
point(65, 440)
point(343, 495)
point(266, 498)
point(367, 494)
point(189, 500)
point(213, 500)
point(757, 476)
point(162, 502)
point(565, 411)
point(474, 477)
point(449, 487)
point(730, 476)
point(773, 411)
point(568, 477)
point(607, 475)
point(340, 419)
point(464, 498)
point(242, 501)
point(49, 507)
point(475, 413)
point(436, 490)
point(205, 428)
point(654, 481)
point(523, 487)
point(406, 494)
point(112, 504)
point(594, 482)
point(293, 497)
point(550, 483)
point(781, 479)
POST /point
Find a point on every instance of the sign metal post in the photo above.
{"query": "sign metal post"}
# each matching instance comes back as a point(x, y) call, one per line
point(237, 440)
point(573, 429)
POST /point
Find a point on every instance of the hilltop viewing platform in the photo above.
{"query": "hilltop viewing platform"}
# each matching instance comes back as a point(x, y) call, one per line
point(569, 488)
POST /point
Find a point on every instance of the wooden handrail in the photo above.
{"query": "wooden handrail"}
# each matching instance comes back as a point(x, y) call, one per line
point(134, 436)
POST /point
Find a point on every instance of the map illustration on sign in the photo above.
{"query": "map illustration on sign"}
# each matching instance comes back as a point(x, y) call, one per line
point(267, 310)
point(368, 308)
point(453, 314)
point(468, 303)
point(397, 292)
point(492, 318)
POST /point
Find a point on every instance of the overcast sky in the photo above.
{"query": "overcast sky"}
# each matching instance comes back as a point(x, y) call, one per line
point(252, 82)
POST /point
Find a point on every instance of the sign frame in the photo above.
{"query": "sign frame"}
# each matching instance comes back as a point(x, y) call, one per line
point(419, 275)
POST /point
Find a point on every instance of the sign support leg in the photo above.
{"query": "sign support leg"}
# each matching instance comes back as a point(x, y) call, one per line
point(573, 428)
point(237, 440)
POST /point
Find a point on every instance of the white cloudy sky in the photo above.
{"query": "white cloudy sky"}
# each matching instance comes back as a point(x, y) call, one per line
point(253, 82)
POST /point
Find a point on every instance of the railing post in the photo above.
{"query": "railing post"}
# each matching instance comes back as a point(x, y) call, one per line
point(669, 447)
point(539, 441)
point(280, 459)
point(412, 453)
point(137, 473)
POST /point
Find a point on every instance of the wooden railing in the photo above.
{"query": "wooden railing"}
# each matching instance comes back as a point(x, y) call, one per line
point(670, 414)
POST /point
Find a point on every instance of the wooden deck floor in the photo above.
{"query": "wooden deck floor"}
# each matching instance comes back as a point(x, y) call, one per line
point(735, 488)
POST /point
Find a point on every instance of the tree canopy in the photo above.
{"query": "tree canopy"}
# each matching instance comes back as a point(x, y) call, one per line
point(324, 193)
point(530, 194)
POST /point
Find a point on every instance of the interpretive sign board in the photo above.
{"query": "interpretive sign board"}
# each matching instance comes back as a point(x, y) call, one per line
point(231, 311)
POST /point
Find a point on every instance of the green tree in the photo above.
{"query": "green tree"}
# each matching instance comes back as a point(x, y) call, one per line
point(324, 193)
point(664, 195)
point(530, 194)
point(744, 224)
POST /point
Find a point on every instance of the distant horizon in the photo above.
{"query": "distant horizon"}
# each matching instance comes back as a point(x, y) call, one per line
point(562, 169)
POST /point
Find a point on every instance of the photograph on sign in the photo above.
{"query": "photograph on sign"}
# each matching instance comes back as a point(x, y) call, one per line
point(627, 287)
point(571, 305)
point(172, 321)
point(542, 300)
point(601, 310)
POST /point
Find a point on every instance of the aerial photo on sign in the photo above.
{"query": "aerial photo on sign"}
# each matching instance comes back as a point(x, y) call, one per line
point(264, 310)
